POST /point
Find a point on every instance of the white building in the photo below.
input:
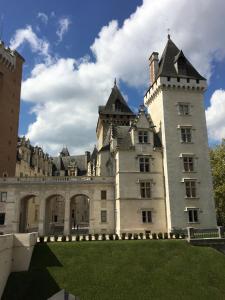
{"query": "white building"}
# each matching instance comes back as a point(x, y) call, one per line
point(149, 173)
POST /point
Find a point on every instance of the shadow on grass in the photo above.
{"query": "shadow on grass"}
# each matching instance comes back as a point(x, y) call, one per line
point(37, 282)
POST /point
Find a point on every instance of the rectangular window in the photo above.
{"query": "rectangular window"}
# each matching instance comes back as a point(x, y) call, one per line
point(146, 216)
point(55, 218)
point(103, 195)
point(188, 162)
point(103, 216)
point(143, 137)
point(3, 196)
point(144, 164)
point(185, 134)
point(145, 189)
point(193, 216)
point(190, 188)
point(183, 109)
point(2, 218)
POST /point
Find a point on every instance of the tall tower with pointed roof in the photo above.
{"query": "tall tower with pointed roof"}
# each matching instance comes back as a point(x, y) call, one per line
point(115, 112)
point(175, 100)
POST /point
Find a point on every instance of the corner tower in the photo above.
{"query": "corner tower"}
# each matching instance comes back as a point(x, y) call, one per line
point(175, 102)
point(10, 84)
point(115, 112)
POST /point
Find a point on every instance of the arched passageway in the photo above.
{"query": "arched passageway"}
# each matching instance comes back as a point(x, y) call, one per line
point(55, 213)
point(79, 214)
point(29, 214)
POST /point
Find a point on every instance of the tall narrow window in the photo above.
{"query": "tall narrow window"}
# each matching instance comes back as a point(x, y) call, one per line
point(188, 162)
point(143, 137)
point(103, 195)
point(146, 216)
point(2, 218)
point(3, 196)
point(145, 187)
point(190, 188)
point(193, 216)
point(144, 164)
point(103, 216)
point(186, 135)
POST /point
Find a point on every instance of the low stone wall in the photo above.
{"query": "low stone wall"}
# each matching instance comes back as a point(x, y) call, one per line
point(15, 254)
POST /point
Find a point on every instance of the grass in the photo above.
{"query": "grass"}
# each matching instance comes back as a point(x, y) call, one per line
point(121, 270)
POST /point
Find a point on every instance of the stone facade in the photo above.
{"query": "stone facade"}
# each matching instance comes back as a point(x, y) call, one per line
point(150, 172)
point(10, 83)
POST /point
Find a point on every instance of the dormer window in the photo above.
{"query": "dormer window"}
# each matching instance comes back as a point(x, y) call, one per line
point(118, 106)
point(143, 137)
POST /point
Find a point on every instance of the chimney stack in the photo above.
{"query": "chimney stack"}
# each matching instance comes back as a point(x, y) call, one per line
point(154, 66)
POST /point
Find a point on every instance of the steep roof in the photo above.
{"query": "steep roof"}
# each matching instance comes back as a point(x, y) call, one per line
point(173, 63)
point(115, 99)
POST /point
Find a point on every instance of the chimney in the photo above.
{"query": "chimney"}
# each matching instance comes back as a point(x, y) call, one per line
point(154, 66)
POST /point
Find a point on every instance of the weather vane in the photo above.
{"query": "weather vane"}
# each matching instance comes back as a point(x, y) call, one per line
point(168, 30)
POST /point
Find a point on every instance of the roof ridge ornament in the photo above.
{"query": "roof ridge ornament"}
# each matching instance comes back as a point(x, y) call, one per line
point(168, 30)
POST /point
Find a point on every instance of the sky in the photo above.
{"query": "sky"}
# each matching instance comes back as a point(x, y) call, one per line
point(75, 48)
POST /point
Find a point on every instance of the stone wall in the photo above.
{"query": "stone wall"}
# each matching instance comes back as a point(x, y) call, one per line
point(15, 254)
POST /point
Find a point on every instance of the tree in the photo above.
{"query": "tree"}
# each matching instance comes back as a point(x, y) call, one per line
point(217, 157)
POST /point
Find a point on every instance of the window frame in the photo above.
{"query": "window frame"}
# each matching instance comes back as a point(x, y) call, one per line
point(190, 188)
point(193, 215)
point(146, 189)
point(144, 164)
point(182, 111)
point(186, 135)
point(104, 217)
point(102, 193)
point(188, 163)
point(143, 137)
point(3, 198)
point(2, 218)
point(146, 216)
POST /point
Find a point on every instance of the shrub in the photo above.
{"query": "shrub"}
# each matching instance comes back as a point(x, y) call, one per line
point(165, 235)
point(183, 235)
point(135, 236)
point(130, 236)
point(154, 236)
point(116, 237)
point(177, 235)
point(55, 238)
point(171, 235)
point(141, 234)
point(90, 237)
point(111, 237)
point(160, 235)
point(77, 238)
point(69, 238)
point(96, 236)
point(84, 238)
point(123, 236)
point(63, 238)
point(48, 239)
point(103, 237)
point(147, 235)
point(42, 239)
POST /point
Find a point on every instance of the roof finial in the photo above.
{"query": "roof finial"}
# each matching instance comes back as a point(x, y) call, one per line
point(115, 81)
point(168, 30)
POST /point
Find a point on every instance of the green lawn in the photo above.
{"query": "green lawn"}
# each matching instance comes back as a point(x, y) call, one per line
point(161, 269)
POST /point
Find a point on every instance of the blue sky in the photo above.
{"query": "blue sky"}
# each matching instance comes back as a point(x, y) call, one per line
point(74, 49)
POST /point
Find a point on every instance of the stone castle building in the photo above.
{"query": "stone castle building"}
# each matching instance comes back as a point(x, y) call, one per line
point(150, 171)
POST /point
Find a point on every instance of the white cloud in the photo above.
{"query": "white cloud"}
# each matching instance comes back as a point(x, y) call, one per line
point(27, 34)
point(63, 28)
point(43, 17)
point(215, 116)
point(66, 92)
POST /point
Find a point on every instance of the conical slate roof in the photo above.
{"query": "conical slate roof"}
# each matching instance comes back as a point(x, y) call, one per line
point(115, 98)
point(173, 63)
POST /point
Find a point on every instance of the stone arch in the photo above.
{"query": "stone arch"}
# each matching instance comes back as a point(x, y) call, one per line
point(29, 213)
point(80, 213)
point(54, 214)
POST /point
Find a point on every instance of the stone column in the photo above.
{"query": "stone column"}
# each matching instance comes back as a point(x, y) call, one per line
point(42, 215)
point(67, 216)
point(220, 231)
point(190, 231)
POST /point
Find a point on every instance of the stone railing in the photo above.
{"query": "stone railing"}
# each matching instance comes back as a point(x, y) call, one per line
point(209, 233)
point(56, 179)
